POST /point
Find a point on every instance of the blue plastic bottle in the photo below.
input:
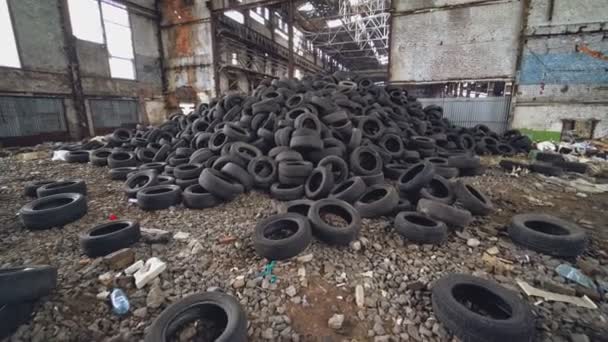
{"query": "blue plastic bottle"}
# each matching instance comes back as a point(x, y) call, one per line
point(120, 302)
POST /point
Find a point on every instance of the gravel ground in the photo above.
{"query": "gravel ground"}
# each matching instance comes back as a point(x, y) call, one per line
point(395, 275)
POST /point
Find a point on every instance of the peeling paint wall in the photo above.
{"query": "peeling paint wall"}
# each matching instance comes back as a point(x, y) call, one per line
point(40, 39)
point(186, 35)
point(564, 69)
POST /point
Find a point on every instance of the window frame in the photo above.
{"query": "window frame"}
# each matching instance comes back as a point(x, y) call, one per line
point(105, 38)
point(11, 20)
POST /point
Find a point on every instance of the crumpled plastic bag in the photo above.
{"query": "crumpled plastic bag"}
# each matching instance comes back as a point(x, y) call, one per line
point(546, 146)
point(59, 155)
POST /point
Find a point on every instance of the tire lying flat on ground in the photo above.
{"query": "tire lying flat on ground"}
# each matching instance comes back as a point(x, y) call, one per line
point(420, 228)
point(331, 232)
point(14, 315)
point(479, 310)
point(282, 236)
point(223, 316)
point(472, 199)
point(445, 213)
point(197, 197)
point(377, 200)
point(26, 283)
point(31, 187)
point(53, 211)
point(61, 187)
point(548, 234)
point(159, 197)
point(109, 237)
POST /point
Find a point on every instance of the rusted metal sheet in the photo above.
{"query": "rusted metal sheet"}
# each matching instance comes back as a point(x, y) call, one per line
point(475, 42)
point(22, 116)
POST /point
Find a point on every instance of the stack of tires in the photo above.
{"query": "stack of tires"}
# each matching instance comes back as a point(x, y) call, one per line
point(58, 203)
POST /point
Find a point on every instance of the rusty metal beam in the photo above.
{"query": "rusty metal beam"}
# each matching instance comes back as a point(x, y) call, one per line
point(250, 5)
point(214, 51)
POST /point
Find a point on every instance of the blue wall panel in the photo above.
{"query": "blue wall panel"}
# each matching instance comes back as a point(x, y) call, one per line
point(563, 68)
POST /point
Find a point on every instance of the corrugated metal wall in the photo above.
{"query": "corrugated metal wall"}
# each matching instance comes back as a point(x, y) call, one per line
point(28, 116)
point(468, 112)
point(113, 113)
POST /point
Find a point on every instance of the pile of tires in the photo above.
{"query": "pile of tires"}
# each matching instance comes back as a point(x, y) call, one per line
point(546, 163)
point(20, 288)
point(293, 139)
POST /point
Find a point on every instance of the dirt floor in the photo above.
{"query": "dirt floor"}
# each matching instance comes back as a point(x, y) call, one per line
point(396, 274)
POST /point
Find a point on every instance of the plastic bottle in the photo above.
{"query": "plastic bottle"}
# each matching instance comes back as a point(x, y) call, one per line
point(120, 302)
point(575, 275)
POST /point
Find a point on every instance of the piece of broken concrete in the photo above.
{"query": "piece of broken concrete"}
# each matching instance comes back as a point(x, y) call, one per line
point(153, 235)
point(152, 268)
point(134, 267)
point(120, 258)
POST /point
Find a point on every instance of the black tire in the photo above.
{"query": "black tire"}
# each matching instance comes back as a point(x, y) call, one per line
point(337, 166)
point(447, 172)
point(420, 228)
point(26, 283)
point(510, 165)
point(377, 200)
point(120, 173)
point(53, 211)
point(507, 318)
point(416, 177)
point(162, 153)
point(288, 155)
point(217, 306)
point(443, 212)
point(364, 160)
point(187, 171)
point(306, 143)
point(197, 197)
point(109, 237)
point(100, 157)
point(301, 206)
point(464, 161)
point(376, 179)
point(439, 189)
point(394, 171)
point(140, 180)
point(472, 199)
point(239, 174)
point(422, 142)
point(157, 166)
point(548, 234)
point(164, 180)
point(14, 315)
point(263, 170)
point(549, 157)
point(284, 192)
point(145, 155)
point(31, 188)
point(350, 190)
point(77, 156)
point(328, 232)
point(62, 187)
point(121, 136)
point(272, 247)
point(572, 166)
point(220, 185)
point(295, 168)
point(121, 159)
point(546, 169)
point(159, 197)
point(319, 183)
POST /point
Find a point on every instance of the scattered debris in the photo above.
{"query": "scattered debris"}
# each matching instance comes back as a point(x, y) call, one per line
point(359, 296)
point(336, 321)
point(120, 258)
point(152, 268)
point(181, 236)
point(556, 297)
point(305, 258)
point(153, 235)
point(134, 267)
point(473, 242)
point(575, 275)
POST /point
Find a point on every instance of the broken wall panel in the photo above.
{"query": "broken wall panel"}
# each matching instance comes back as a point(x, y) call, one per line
point(479, 41)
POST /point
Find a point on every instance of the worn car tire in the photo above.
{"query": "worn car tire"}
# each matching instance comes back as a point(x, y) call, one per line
point(31, 188)
point(121, 159)
point(62, 187)
point(439, 189)
point(77, 157)
point(350, 190)
point(451, 294)
point(263, 170)
point(420, 228)
point(286, 192)
point(14, 315)
point(281, 248)
point(328, 232)
point(220, 185)
point(140, 180)
point(364, 160)
point(159, 197)
point(239, 174)
point(416, 177)
point(209, 305)
point(377, 200)
point(472, 199)
point(548, 234)
point(300, 206)
point(26, 283)
point(319, 183)
point(53, 211)
point(337, 166)
point(443, 212)
point(109, 237)
point(197, 197)
point(546, 169)
point(121, 173)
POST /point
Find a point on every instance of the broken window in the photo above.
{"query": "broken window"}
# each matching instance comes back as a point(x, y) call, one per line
point(119, 40)
point(236, 16)
point(9, 56)
point(88, 24)
point(86, 21)
point(258, 15)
